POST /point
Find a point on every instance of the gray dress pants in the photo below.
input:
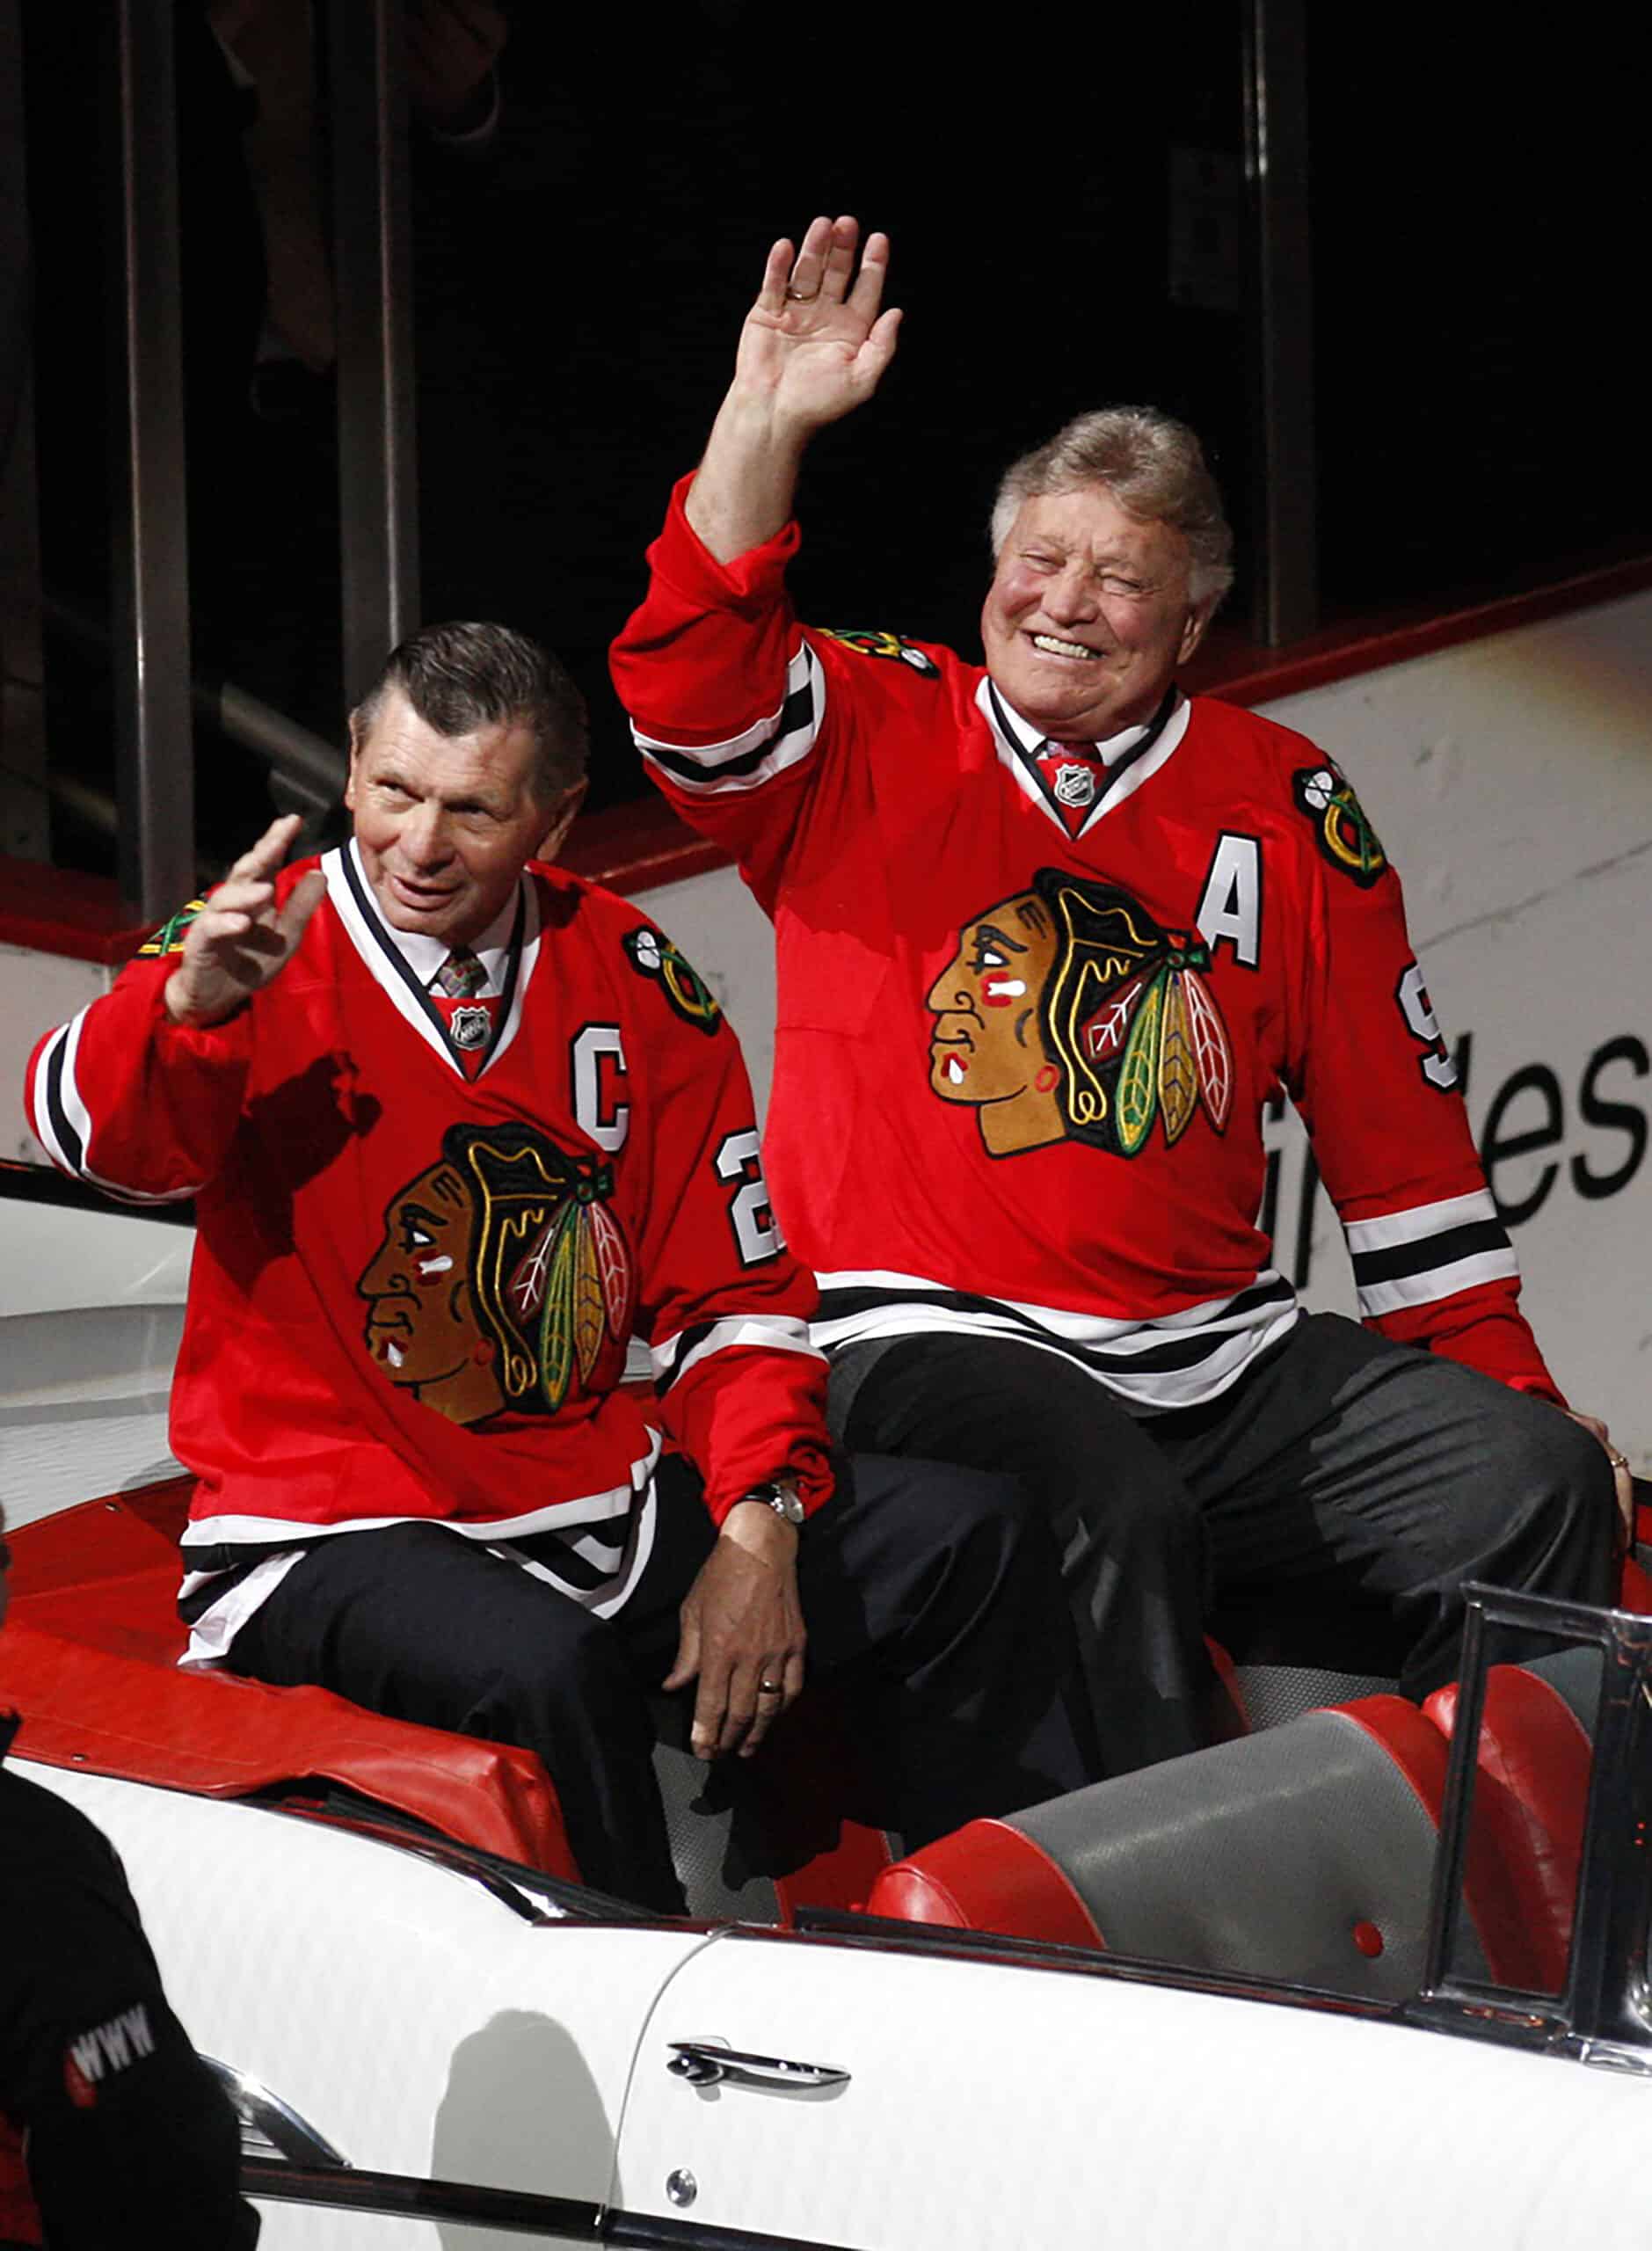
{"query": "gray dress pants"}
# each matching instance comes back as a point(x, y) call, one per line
point(1326, 1511)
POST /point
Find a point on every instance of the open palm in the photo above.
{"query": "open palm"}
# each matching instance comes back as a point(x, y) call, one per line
point(817, 342)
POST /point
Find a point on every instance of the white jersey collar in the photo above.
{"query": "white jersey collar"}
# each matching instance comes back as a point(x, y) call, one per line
point(402, 963)
point(1129, 756)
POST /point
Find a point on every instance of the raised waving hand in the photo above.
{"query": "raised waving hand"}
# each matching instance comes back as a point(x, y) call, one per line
point(817, 341)
point(241, 939)
point(814, 347)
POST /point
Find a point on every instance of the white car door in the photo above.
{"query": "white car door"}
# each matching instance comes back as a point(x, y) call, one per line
point(421, 2053)
point(925, 2101)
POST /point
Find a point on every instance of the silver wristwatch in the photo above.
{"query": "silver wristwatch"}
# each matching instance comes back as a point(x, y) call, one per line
point(779, 1497)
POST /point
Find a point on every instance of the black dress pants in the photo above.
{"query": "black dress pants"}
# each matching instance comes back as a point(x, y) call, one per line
point(1347, 1484)
point(936, 1592)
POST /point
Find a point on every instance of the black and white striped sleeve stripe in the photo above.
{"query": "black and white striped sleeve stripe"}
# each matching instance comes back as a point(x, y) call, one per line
point(63, 1126)
point(766, 748)
point(1416, 1257)
point(767, 1332)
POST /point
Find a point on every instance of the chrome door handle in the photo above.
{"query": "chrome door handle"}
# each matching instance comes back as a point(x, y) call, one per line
point(703, 2062)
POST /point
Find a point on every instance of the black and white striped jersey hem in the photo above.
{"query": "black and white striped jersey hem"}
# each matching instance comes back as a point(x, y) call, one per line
point(596, 1561)
point(1181, 1359)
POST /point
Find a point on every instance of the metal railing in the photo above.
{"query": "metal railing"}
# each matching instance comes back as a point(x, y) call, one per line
point(309, 768)
point(157, 695)
point(364, 47)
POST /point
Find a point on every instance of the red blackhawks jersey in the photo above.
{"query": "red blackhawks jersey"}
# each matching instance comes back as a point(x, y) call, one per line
point(414, 1281)
point(1033, 999)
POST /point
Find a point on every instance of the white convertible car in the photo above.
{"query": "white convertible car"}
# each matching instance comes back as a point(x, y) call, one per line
point(1367, 1976)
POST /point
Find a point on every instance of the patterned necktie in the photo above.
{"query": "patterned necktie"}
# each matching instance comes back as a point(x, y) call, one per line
point(456, 993)
point(460, 976)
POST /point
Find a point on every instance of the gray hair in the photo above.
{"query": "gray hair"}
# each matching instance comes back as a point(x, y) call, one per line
point(1152, 464)
point(458, 678)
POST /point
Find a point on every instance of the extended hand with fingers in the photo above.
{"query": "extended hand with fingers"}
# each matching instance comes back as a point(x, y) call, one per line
point(742, 1634)
point(816, 342)
point(241, 939)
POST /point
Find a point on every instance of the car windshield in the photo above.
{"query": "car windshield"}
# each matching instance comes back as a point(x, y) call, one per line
point(1520, 1820)
point(1540, 1921)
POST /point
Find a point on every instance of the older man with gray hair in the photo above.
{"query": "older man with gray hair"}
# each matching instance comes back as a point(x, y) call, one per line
point(1051, 934)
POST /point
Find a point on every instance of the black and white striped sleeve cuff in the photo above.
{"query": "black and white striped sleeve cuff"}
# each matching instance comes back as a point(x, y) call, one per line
point(1416, 1257)
point(765, 748)
point(63, 1125)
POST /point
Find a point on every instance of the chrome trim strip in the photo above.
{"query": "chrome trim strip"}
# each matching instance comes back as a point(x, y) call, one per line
point(406, 2194)
point(890, 1934)
point(269, 2124)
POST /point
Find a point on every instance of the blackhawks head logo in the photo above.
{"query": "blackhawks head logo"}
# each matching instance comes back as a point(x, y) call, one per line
point(1342, 830)
point(1066, 1012)
point(501, 1280)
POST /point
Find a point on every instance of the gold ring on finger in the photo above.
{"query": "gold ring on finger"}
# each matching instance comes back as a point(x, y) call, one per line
point(801, 297)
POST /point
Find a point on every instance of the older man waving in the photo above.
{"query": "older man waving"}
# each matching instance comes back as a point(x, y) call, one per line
point(1050, 934)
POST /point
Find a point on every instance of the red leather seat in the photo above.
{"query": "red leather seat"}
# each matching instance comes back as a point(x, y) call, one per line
point(90, 1656)
point(90, 1659)
point(1531, 1795)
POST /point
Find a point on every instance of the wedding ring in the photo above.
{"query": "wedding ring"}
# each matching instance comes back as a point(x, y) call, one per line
point(771, 1688)
point(801, 297)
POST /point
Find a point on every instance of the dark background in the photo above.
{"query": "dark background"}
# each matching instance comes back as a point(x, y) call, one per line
point(579, 291)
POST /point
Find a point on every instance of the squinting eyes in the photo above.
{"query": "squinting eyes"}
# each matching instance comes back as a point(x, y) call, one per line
point(1108, 581)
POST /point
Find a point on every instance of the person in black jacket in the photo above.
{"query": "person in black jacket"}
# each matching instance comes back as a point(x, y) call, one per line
point(125, 2137)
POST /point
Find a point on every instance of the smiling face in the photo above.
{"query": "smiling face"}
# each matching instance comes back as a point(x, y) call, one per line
point(445, 823)
point(986, 1049)
point(1089, 614)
